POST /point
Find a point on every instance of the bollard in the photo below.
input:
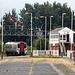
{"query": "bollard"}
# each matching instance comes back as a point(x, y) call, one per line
point(1, 55)
point(74, 59)
point(49, 52)
point(45, 52)
point(70, 55)
point(31, 54)
point(61, 54)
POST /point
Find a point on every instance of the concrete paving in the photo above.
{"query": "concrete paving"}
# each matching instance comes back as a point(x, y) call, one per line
point(43, 69)
point(64, 69)
point(57, 70)
point(15, 68)
point(18, 68)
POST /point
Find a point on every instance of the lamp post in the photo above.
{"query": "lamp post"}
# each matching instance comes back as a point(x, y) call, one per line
point(45, 30)
point(50, 30)
point(2, 34)
point(71, 25)
point(62, 28)
point(31, 32)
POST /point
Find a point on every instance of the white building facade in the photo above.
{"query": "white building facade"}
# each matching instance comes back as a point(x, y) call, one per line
point(61, 40)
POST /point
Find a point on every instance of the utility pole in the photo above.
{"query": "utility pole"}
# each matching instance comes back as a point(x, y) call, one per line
point(71, 25)
point(31, 32)
point(2, 34)
point(62, 29)
point(45, 31)
point(50, 31)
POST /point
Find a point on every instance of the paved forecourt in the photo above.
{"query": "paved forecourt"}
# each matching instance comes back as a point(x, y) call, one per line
point(43, 69)
point(15, 68)
point(20, 68)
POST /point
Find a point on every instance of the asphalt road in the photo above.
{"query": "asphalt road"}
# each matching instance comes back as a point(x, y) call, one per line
point(19, 68)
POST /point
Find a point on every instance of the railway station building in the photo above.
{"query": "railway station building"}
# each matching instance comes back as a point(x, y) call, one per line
point(62, 41)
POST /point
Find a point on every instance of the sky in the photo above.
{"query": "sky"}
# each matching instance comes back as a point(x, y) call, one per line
point(19, 4)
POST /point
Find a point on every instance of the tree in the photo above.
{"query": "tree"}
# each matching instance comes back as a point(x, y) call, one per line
point(8, 15)
point(36, 44)
point(6, 19)
point(14, 14)
point(25, 18)
point(46, 9)
point(37, 10)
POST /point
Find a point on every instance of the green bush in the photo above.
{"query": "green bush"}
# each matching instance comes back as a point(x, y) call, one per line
point(29, 50)
point(36, 44)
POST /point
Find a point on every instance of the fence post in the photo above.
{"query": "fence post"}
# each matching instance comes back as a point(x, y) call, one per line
point(70, 55)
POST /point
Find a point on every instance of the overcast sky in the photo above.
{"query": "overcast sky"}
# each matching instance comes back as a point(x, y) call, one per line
point(19, 4)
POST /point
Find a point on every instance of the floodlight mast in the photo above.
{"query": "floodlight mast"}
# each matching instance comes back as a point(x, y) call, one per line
point(50, 30)
point(45, 29)
point(31, 31)
point(62, 28)
point(2, 33)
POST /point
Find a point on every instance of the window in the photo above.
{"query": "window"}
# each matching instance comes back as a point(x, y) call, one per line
point(64, 37)
point(18, 45)
point(54, 36)
point(24, 45)
point(67, 37)
point(60, 37)
point(74, 37)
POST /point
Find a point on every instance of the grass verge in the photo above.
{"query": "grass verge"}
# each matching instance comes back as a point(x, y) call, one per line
point(47, 56)
point(39, 61)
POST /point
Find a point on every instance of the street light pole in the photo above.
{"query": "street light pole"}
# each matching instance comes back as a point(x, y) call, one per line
point(45, 31)
point(2, 34)
point(71, 25)
point(31, 32)
point(62, 28)
point(50, 31)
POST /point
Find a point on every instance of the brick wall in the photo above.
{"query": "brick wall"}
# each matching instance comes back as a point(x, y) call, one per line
point(54, 46)
point(68, 46)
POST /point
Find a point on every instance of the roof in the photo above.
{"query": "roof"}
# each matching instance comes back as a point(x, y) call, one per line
point(66, 30)
point(59, 30)
point(11, 43)
point(15, 42)
point(55, 31)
